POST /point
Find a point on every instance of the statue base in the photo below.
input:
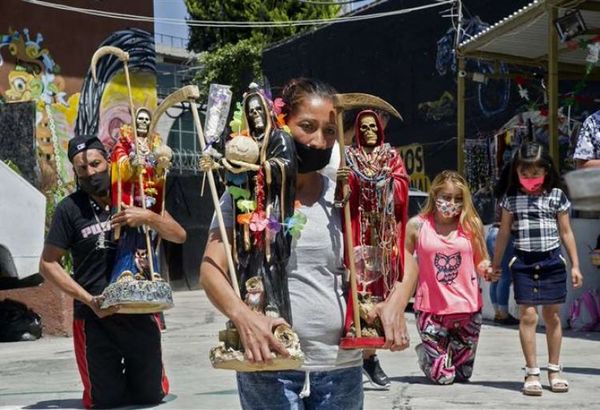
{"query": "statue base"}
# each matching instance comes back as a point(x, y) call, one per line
point(369, 342)
point(138, 296)
point(230, 356)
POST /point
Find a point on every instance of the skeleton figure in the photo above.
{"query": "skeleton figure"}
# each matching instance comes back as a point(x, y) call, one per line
point(265, 164)
point(138, 165)
point(378, 205)
point(368, 129)
point(256, 117)
point(142, 121)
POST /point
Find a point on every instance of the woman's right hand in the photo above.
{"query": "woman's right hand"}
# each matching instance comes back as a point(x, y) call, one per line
point(256, 334)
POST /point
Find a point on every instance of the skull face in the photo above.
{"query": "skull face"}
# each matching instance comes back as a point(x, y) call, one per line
point(368, 130)
point(142, 121)
point(256, 114)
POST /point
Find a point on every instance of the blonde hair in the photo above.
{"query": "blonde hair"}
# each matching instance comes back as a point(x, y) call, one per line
point(469, 219)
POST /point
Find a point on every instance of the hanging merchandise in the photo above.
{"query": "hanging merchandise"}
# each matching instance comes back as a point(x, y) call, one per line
point(479, 174)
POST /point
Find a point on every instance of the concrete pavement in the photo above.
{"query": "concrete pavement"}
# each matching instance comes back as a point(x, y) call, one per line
point(43, 374)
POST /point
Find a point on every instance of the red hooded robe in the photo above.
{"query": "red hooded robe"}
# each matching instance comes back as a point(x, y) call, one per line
point(358, 185)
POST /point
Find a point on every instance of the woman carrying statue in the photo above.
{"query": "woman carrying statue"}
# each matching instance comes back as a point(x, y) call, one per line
point(330, 377)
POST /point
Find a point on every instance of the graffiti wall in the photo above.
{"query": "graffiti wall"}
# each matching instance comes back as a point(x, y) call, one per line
point(45, 55)
point(35, 76)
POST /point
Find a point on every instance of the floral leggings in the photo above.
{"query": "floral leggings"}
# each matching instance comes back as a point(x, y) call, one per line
point(449, 344)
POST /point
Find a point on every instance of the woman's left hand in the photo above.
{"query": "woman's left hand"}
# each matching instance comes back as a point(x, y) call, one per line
point(576, 278)
point(394, 325)
point(131, 216)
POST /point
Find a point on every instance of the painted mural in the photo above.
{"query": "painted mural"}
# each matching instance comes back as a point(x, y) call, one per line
point(99, 109)
point(35, 77)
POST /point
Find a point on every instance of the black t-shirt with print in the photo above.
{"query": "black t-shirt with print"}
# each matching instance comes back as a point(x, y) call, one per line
point(75, 228)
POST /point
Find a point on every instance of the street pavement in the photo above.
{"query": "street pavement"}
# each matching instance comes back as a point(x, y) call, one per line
point(43, 374)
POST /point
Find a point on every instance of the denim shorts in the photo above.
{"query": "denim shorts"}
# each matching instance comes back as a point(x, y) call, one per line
point(539, 278)
point(332, 390)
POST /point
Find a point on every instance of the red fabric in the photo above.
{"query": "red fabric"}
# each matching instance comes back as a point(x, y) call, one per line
point(401, 187)
point(81, 358)
point(164, 381)
point(130, 187)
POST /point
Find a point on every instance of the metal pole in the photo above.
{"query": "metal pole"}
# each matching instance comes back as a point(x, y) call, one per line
point(552, 13)
point(460, 116)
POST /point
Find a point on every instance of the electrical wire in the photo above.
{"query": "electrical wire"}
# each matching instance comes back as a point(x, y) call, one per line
point(329, 3)
point(233, 24)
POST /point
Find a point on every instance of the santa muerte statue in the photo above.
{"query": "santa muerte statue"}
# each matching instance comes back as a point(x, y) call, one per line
point(139, 168)
point(260, 173)
point(378, 203)
point(139, 165)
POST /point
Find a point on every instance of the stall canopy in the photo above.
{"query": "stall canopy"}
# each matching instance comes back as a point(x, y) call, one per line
point(529, 37)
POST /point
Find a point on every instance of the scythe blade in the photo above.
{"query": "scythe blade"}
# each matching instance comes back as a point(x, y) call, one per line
point(361, 100)
point(187, 93)
point(106, 50)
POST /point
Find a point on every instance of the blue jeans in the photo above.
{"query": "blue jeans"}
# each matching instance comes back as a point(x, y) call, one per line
point(500, 290)
point(336, 389)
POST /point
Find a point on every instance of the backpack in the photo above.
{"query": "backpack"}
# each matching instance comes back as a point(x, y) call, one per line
point(18, 322)
point(584, 315)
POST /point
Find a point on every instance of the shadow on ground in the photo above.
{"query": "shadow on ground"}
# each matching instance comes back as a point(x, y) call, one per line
point(57, 404)
point(497, 384)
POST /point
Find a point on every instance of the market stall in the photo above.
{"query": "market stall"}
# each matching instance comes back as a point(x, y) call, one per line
point(559, 39)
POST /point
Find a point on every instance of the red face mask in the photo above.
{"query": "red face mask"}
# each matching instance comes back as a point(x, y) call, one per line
point(532, 184)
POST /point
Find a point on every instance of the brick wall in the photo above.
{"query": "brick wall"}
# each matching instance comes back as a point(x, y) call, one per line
point(55, 308)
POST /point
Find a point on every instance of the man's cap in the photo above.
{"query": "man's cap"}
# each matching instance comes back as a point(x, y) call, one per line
point(81, 143)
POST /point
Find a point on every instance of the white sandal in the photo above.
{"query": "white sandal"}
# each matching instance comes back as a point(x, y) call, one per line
point(532, 387)
point(557, 384)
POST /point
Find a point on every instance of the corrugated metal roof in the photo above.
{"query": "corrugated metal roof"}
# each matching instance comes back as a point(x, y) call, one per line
point(524, 33)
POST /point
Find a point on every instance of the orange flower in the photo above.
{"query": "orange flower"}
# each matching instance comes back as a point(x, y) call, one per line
point(244, 219)
point(281, 120)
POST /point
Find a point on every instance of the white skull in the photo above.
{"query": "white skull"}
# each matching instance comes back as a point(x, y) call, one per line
point(256, 113)
point(142, 121)
point(368, 129)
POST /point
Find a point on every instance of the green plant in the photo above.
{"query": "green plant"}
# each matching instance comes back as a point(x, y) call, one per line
point(232, 56)
point(233, 64)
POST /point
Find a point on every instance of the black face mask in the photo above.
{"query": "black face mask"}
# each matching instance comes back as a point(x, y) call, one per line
point(97, 184)
point(311, 159)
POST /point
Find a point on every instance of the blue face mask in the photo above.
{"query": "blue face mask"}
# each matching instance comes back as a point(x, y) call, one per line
point(311, 159)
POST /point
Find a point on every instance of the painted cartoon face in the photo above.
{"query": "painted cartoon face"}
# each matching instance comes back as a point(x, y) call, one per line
point(368, 129)
point(23, 86)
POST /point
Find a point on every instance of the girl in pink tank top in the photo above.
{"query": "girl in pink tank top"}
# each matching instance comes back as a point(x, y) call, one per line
point(447, 238)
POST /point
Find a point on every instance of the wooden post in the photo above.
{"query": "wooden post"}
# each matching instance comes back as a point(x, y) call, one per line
point(460, 116)
point(552, 13)
point(348, 228)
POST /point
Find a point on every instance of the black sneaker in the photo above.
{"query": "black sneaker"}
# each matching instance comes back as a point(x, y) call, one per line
point(507, 321)
point(374, 373)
